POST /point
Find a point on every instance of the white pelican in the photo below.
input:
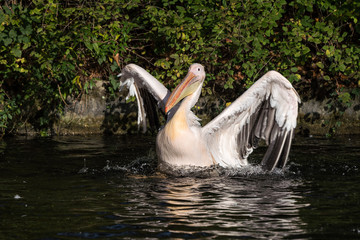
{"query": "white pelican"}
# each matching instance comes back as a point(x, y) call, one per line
point(267, 110)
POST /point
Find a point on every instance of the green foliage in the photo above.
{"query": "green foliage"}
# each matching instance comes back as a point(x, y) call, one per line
point(52, 51)
point(48, 49)
point(8, 108)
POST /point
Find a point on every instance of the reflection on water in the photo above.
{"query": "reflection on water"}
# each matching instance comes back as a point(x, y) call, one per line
point(119, 193)
point(231, 207)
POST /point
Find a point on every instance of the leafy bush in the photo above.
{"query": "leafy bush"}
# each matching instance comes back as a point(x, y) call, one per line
point(52, 51)
point(48, 51)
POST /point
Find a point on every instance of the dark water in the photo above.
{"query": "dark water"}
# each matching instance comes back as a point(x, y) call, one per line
point(108, 188)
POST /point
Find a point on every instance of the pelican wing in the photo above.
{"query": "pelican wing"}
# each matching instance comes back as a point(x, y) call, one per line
point(267, 110)
point(149, 93)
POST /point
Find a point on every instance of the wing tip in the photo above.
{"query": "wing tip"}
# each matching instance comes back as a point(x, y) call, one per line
point(278, 151)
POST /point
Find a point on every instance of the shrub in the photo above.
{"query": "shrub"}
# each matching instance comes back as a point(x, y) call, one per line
point(52, 51)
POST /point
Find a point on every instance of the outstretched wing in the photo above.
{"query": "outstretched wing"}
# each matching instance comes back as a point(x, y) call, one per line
point(267, 110)
point(149, 93)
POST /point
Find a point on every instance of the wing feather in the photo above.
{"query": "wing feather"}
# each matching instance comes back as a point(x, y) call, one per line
point(149, 92)
point(267, 110)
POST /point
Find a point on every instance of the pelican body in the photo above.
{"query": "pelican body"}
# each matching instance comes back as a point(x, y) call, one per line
point(267, 110)
point(181, 141)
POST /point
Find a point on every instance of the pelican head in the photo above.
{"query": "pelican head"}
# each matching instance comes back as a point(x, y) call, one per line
point(188, 86)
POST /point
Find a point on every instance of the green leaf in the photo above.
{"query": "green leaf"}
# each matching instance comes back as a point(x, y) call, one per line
point(320, 65)
point(328, 53)
point(342, 67)
point(26, 31)
point(96, 48)
point(16, 52)
point(12, 34)
point(7, 41)
point(174, 56)
point(113, 67)
point(345, 97)
point(294, 69)
point(88, 45)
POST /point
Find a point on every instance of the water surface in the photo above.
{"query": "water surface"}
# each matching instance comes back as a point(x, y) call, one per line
point(108, 188)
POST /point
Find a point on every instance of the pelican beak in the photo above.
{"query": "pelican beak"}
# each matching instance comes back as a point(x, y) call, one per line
point(187, 87)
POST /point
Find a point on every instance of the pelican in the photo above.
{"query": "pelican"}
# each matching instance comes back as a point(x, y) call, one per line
point(267, 110)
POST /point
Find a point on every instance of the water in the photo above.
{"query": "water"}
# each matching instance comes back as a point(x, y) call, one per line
point(108, 188)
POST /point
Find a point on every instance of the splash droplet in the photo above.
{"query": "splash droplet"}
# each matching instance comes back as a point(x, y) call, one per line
point(17, 196)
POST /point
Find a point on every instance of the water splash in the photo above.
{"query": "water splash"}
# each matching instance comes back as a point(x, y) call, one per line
point(216, 170)
point(148, 165)
point(17, 196)
point(84, 169)
point(107, 167)
point(143, 165)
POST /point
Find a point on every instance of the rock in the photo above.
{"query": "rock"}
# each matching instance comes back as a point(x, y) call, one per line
point(98, 113)
point(328, 117)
